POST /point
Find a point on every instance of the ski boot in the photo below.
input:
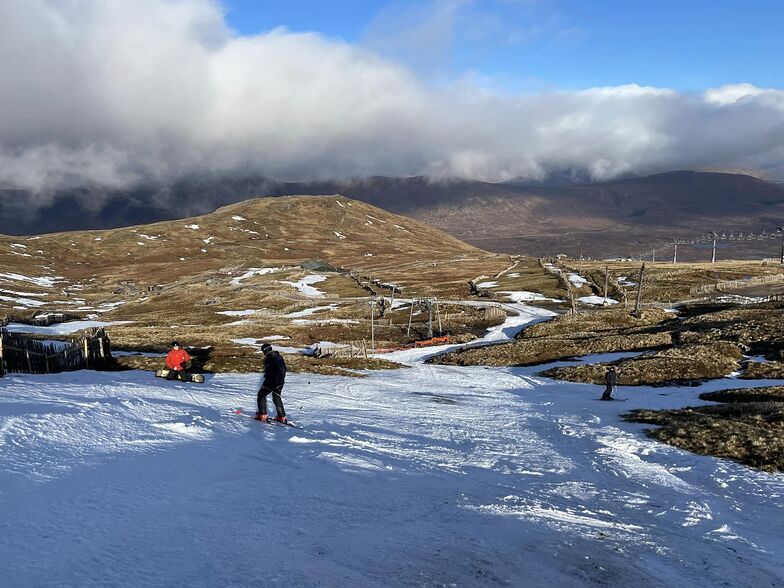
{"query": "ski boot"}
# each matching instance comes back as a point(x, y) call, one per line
point(281, 419)
point(261, 417)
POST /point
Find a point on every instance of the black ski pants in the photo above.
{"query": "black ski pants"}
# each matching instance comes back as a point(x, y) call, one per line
point(276, 399)
point(608, 392)
point(179, 375)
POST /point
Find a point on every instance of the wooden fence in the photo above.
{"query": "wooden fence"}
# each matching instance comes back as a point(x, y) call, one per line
point(734, 284)
point(20, 353)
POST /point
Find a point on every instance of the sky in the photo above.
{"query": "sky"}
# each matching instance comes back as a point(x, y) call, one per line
point(114, 94)
point(686, 45)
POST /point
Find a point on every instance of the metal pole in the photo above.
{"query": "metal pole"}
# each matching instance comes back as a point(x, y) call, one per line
point(430, 319)
point(373, 325)
point(653, 256)
point(675, 253)
point(606, 279)
point(410, 316)
point(781, 259)
point(713, 255)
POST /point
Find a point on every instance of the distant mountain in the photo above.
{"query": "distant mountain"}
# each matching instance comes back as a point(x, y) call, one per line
point(619, 217)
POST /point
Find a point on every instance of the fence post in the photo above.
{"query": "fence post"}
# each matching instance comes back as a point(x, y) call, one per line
point(636, 312)
point(86, 353)
point(29, 365)
point(2, 361)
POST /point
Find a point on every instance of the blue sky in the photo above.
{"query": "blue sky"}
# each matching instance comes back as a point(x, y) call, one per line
point(688, 45)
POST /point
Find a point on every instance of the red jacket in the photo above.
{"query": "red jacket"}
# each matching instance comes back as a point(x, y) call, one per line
point(175, 358)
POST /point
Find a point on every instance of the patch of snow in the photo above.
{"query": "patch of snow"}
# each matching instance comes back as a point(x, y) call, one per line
point(597, 300)
point(62, 328)
point(487, 285)
point(238, 218)
point(15, 293)
point(44, 282)
point(339, 235)
point(310, 311)
point(24, 302)
point(193, 227)
point(331, 321)
point(305, 285)
point(577, 280)
point(237, 312)
point(253, 271)
point(340, 204)
point(274, 338)
point(209, 240)
point(525, 296)
point(19, 245)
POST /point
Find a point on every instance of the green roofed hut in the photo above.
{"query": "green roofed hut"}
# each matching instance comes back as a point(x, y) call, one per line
point(316, 265)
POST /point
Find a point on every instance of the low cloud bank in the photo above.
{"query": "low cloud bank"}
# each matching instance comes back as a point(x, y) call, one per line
point(115, 93)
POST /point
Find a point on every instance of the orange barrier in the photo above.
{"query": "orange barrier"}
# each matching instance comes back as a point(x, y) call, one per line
point(416, 344)
point(433, 341)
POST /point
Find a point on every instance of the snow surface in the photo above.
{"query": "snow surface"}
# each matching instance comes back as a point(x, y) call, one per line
point(596, 300)
point(310, 311)
point(525, 296)
point(305, 285)
point(577, 280)
point(253, 271)
point(43, 281)
point(487, 285)
point(426, 476)
point(26, 302)
point(62, 328)
point(237, 312)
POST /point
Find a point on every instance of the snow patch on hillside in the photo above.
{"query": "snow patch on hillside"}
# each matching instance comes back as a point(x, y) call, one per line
point(577, 280)
point(305, 285)
point(62, 328)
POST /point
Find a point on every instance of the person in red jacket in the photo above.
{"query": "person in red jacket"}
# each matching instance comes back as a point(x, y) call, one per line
point(176, 361)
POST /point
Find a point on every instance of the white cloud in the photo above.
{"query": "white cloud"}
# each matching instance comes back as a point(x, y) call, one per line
point(112, 93)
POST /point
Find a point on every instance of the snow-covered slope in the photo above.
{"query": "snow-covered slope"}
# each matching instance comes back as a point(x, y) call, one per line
point(424, 476)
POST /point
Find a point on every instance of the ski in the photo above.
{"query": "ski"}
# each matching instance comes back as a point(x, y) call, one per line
point(286, 424)
point(269, 422)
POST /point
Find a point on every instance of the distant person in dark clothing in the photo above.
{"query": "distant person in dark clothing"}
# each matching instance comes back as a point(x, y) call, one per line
point(274, 378)
point(611, 379)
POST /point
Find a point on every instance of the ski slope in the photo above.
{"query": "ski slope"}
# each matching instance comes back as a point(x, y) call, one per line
point(423, 476)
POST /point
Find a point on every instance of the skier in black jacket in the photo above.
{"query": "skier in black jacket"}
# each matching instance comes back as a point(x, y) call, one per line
point(611, 379)
point(274, 378)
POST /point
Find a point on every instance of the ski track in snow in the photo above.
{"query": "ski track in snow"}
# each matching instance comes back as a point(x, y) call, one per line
point(423, 476)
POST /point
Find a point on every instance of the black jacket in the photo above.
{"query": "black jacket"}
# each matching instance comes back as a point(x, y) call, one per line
point(274, 371)
point(611, 378)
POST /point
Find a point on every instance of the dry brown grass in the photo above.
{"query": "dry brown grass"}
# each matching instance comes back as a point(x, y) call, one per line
point(244, 360)
point(666, 282)
point(766, 394)
point(566, 336)
point(686, 365)
point(536, 351)
point(749, 432)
